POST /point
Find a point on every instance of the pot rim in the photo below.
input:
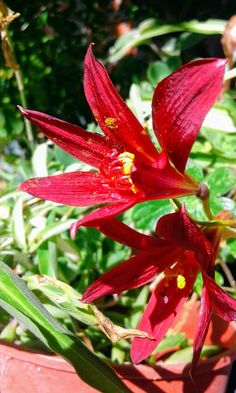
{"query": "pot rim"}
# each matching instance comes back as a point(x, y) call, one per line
point(126, 370)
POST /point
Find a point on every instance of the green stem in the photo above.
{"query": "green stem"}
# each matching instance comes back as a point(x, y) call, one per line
point(213, 223)
point(229, 289)
point(207, 209)
point(21, 89)
point(176, 204)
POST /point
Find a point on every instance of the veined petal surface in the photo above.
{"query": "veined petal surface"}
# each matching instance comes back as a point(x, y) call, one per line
point(165, 303)
point(112, 114)
point(73, 189)
point(178, 228)
point(122, 233)
point(100, 215)
point(136, 271)
point(88, 147)
point(224, 305)
point(180, 104)
point(202, 327)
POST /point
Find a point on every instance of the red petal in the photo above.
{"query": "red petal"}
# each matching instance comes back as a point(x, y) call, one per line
point(162, 309)
point(88, 147)
point(133, 273)
point(73, 189)
point(208, 264)
point(100, 215)
point(112, 114)
point(180, 104)
point(122, 233)
point(202, 327)
point(178, 228)
point(224, 305)
point(161, 180)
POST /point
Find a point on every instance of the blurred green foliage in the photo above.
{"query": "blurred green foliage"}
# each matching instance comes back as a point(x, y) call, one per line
point(50, 40)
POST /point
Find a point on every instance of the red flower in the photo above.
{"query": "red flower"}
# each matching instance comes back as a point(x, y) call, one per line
point(179, 252)
point(130, 169)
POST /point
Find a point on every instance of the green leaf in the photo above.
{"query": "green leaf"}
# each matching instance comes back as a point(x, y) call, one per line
point(64, 296)
point(221, 203)
point(135, 102)
point(18, 228)
point(219, 279)
point(157, 71)
point(68, 248)
point(146, 214)
point(39, 160)
point(196, 172)
point(194, 207)
point(198, 285)
point(8, 333)
point(137, 307)
point(47, 260)
point(22, 304)
point(185, 355)
point(224, 144)
point(221, 180)
point(53, 229)
point(188, 40)
point(63, 157)
point(117, 354)
point(171, 341)
point(152, 28)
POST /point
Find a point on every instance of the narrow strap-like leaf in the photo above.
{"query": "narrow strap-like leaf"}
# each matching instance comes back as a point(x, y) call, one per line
point(21, 303)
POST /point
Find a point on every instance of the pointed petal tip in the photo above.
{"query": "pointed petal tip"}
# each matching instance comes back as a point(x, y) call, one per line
point(90, 294)
point(25, 112)
point(89, 53)
point(22, 110)
point(136, 359)
point(221, 62)
point(137, 355)
point(23, 186)
point(85, 298)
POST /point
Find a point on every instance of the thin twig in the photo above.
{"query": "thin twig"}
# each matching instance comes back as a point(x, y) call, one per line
point(21, 89)
point(228, 274)
point(6, 17)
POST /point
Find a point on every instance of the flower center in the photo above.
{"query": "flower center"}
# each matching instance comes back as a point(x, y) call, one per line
point(175, 272)
point(118, 169)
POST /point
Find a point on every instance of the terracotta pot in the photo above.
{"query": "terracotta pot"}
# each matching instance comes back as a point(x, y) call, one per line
point(29, 372)
point(219, 332)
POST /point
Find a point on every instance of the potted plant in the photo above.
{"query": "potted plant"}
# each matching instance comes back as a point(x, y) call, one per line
point(22, 368)
point(46, 277)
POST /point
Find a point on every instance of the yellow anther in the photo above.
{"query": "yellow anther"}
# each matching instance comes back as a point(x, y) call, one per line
point(111, 122)
point(127, 160)
point(181, 282)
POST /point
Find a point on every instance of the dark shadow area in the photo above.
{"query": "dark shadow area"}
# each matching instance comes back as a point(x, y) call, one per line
point(231, 388)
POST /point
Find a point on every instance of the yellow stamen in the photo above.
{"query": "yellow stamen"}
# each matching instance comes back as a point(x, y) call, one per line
point(127, 161)
point(181, 282)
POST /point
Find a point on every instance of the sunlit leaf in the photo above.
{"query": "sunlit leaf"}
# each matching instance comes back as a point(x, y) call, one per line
point(21, 303)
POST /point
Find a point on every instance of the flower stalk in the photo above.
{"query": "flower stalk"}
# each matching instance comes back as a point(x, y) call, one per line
point(6, 17)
